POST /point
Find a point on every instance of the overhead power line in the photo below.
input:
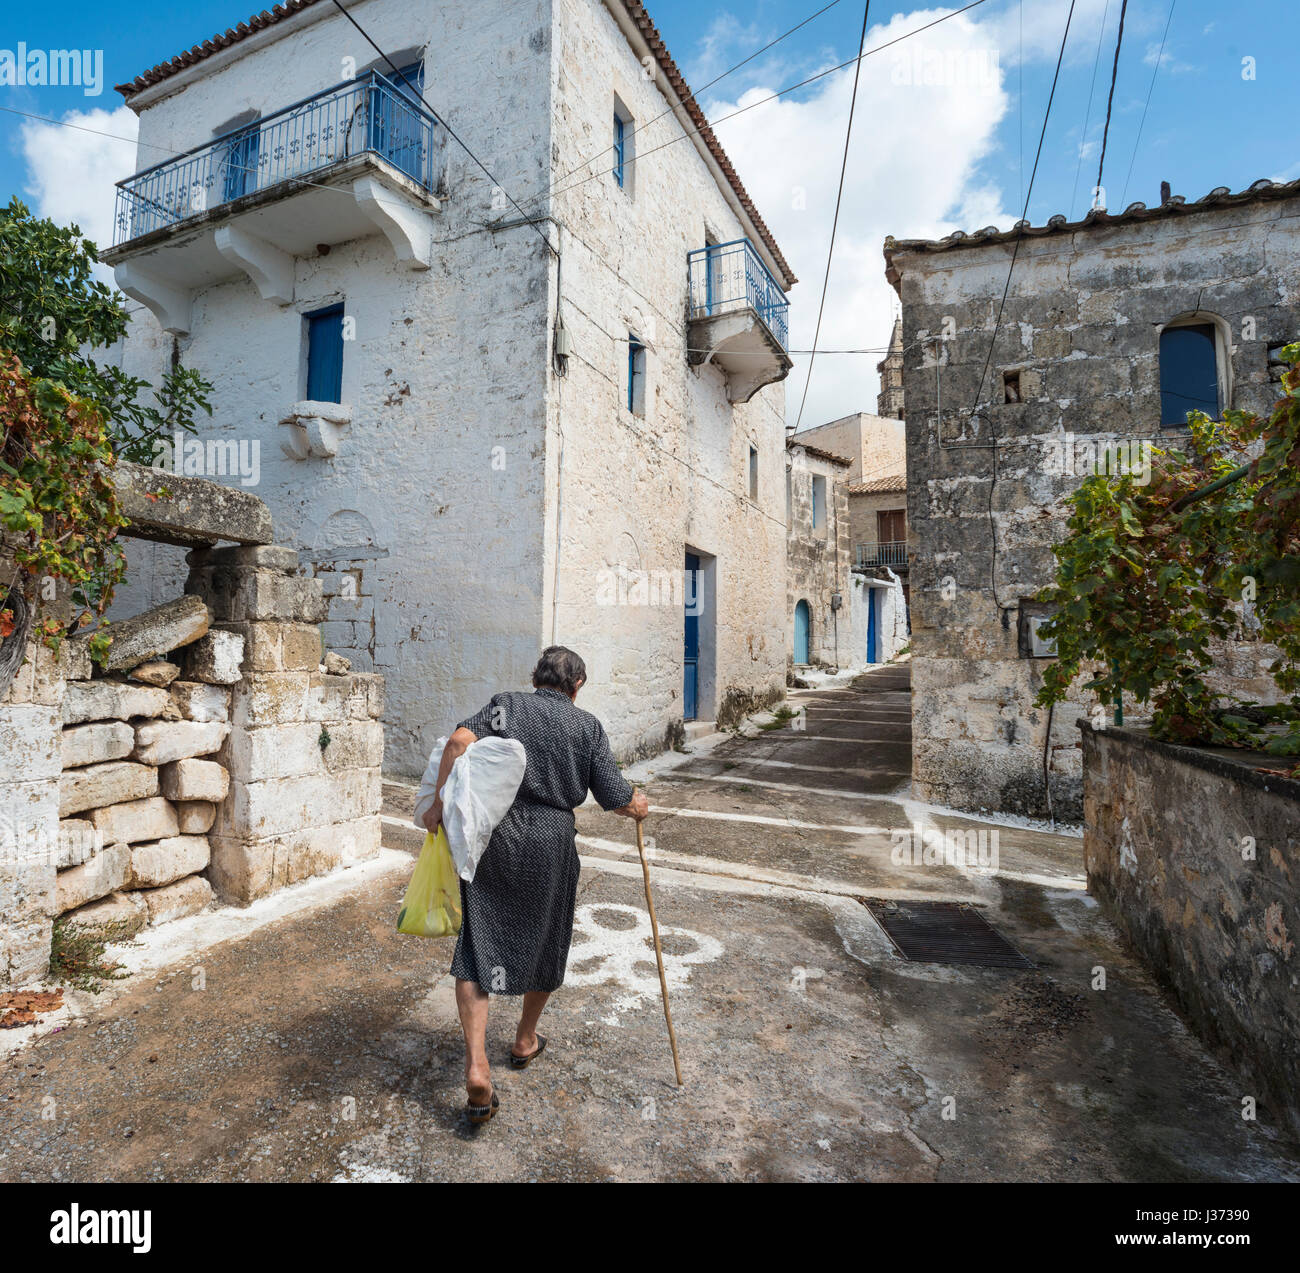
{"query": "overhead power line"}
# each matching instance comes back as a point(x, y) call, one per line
point(451, 132)
point(1110, 100)
point(693, 96)
point(1087, 114)
point(835, 220)
point(1155, 70)
point(1015, 251)
point(785, 92)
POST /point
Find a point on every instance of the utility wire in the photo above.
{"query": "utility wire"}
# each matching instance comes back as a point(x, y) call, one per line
point(451, 132)
point(1020, 233)
point(1110, 100)
point(771, 97)
point(835, 221)
point(1087, 114)
point(692, 96)
point(1160, 57)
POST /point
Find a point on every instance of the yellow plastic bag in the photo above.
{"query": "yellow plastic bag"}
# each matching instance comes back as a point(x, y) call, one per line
point(431, 907)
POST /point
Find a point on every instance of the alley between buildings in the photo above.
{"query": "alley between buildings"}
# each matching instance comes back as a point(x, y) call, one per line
point(312, 1042)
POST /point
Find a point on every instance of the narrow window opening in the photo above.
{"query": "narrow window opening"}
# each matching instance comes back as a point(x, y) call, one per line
point(635, 374)
point(819, 503)
point(324, 332)
point(624, 146)
point(753, 473)
point(1011, 386)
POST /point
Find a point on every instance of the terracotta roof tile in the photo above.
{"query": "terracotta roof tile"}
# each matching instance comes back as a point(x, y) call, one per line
point(879, 486)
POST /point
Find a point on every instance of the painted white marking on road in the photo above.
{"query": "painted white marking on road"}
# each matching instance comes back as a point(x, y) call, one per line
point(621, 951)
point(779, 786)
point(788, 734)
point(762, 875)
point(791, 764)
point(769, 822)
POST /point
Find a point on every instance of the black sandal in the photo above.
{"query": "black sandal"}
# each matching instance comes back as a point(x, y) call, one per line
point(482, 1113)
point(523, 1062)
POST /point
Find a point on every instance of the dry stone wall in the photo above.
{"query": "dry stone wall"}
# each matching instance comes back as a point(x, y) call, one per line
point(218, 756)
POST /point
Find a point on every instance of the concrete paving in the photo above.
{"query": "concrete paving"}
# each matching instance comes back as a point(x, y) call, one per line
point(315, 1043)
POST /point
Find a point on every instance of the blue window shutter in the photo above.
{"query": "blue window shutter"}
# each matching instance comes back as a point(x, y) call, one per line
point(618, 150)
point(325, 355)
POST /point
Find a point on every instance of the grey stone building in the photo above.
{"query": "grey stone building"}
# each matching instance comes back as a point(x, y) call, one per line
point(889, 401)
point(1114, 327)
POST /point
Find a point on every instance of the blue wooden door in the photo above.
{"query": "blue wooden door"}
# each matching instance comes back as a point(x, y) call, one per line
point(802, 625)
point(691, 661)
point(873, 636)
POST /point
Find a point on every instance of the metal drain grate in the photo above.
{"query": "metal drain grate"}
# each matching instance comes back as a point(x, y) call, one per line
point(944, 933)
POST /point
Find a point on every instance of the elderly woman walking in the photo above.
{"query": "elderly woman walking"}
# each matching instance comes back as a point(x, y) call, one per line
point(518, 910)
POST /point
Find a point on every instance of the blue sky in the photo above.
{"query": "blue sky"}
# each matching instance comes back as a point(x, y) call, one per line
point(927, 156)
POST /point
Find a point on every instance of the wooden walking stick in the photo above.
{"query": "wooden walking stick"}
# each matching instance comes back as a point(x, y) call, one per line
point(659, 955)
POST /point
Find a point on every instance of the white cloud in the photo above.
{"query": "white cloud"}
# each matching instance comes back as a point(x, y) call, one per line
point(927, 113)
point(927, 116)
point(72, 167)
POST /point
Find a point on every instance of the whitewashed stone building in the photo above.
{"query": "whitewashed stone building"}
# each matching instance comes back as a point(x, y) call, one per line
point(492, 411)
point(1115, 327)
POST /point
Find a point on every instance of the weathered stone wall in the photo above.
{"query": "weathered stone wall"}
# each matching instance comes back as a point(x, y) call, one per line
point(476, 496)
point(217, 753)
point(1196, 857)
point(1081, 327)
point(30, 763)
point(818, 559)
point(306, 745)
point(640, 491)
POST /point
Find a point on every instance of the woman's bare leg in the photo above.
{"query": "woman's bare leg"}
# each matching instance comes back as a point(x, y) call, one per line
point(472, 1004)
point(526, 1034)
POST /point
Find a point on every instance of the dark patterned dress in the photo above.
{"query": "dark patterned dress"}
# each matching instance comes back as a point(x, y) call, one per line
point(517, 919)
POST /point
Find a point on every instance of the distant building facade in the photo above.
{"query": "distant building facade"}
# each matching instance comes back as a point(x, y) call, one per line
point(818, 561)
point(1115, 326)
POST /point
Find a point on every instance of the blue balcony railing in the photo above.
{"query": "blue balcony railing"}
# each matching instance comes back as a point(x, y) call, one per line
point(725, 277)
point(366, 115)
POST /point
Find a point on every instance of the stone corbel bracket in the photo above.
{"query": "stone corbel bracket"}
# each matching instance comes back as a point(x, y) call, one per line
point(269, 268)
point(169, 304)
point(407, 227)
point(314, 429)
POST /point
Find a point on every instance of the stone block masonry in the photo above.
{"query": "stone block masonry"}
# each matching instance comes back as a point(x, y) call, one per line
point(1197, 859)
point(304, 747)
point(127, 804)
point(1075, 368)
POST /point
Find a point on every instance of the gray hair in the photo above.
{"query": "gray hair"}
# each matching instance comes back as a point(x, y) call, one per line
point(559, 668)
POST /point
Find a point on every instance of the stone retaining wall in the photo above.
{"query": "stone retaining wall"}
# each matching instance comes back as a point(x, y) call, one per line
point(1195, 855)
point(217, 756)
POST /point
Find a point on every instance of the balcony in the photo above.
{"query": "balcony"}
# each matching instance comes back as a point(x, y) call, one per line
point(873, 556)
point(359, 159)
point(738, 317)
